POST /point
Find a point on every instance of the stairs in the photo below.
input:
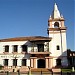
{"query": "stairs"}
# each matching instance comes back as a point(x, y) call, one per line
point(41, 70)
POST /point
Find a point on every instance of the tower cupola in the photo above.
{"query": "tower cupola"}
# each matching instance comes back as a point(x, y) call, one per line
point(56, 20)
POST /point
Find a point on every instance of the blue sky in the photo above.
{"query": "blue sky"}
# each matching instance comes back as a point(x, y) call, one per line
point(30, 18)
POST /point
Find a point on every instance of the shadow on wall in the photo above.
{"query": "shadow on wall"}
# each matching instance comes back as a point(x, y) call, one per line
point(62, 60)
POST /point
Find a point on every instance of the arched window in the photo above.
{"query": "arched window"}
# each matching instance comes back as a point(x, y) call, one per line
point(56, 25)
point(58, 47)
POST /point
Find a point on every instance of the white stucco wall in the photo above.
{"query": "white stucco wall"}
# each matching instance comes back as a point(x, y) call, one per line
point(58, 39)
point(19, 56)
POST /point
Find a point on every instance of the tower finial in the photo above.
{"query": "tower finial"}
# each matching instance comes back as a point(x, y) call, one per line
point(55, 13)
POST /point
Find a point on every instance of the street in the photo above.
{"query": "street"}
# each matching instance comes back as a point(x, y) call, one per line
point(37, 73)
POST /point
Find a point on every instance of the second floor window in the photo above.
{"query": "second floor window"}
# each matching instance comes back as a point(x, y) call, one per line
point(24, 48)
point(6, 48)
point(40, 47)
point(15, 48)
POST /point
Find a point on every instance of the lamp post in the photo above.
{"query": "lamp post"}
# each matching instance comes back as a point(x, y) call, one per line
point(72, 64)
point(15, 56)
point(29, 70)
point(15, 62)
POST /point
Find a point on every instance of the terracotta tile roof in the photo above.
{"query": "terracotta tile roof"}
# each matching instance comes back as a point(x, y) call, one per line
point(31, 38)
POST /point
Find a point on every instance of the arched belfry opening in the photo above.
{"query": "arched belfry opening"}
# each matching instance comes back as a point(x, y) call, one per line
point(41, 63)
point(56, 24)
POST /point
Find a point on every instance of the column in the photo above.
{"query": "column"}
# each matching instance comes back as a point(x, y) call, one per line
point(33, 47)
point(31, 62)
point(10, 49)
point(28, 62)
point(50, 63)
point(47, 63)
point(19, 49)
point(35, 63)
point(9, 62)
point(19, 62)
point(2, 62)
point(54, 62)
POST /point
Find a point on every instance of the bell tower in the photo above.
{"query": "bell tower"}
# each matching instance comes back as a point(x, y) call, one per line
point(57, 30)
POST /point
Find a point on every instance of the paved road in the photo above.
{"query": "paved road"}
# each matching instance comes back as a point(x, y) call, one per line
point(37, 73)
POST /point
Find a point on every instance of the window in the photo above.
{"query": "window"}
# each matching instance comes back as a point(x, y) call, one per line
point(6, 48)
point(15, 47)
point(56, 25)
point(40, 47)
point(24, 48)
point(14, 62)
point(23, 62)
point(58, 62)
point(5, 62)
point(70, 61)
point(58, 48)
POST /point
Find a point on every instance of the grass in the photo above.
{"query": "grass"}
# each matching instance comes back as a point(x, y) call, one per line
point(1, 67)
point(66, 70)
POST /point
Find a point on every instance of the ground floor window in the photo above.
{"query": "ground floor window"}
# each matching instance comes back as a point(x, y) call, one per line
point(23, 62)
point(74, 61)
point(71, 61)
point(5, 62)
point(58, 62)
point(15, 62)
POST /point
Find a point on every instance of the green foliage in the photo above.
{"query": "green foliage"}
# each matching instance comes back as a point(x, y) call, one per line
point(1, 67)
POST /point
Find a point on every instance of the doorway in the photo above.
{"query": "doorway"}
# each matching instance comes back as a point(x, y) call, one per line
point(58, 62)
point(41, 63)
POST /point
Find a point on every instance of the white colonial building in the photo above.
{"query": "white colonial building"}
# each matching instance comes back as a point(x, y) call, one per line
point(37, 51)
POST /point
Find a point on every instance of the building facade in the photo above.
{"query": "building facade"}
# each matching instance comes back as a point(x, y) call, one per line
point(71, 58)
point(37, 51)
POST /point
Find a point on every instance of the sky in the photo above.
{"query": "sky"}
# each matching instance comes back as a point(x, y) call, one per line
point(19, 18)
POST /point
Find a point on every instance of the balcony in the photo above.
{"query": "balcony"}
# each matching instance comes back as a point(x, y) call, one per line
point(45, 51)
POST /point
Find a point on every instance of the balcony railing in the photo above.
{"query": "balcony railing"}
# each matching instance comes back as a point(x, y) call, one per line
point(35, 51)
